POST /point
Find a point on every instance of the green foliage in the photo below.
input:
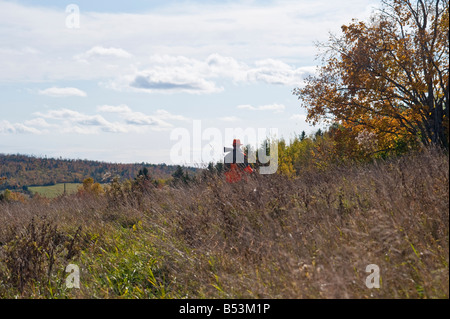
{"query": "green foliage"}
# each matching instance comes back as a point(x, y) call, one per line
point(129, 268)
point(6, 196)
point(335, 146)
point(54, 191)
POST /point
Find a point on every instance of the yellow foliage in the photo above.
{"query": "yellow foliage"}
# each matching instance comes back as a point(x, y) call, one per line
point(13, 196)
point(89, 187)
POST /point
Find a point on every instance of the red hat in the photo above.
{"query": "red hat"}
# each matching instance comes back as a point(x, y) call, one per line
point(237, 142)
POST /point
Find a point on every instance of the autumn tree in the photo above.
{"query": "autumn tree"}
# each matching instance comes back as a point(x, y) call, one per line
point(90, 187)
point(387, 76)
point(9, 196)
point(285, 159)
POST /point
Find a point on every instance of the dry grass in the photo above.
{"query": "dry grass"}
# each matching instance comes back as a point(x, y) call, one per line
point(272, 237)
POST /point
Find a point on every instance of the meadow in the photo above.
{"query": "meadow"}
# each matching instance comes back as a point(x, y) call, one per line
point(54, 191)
point(311, 236)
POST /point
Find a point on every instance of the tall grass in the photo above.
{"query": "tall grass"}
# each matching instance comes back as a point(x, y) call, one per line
point(271, 237)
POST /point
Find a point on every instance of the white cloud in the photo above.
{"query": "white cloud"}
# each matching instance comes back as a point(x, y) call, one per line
point(276, 72)
point(73, 121)
point(99, 51)
point(62, 114)
point(228, 67)
point(298, 117)
point(167, 74)
point(38, 122)
point(141, 119)
point(177, 74)
point(270, 71)
point(277, 108)
point(114, 109)
point(106, 61)
point(62, 92)
point(69, 121)
point(173, 74)
point(247, 107)
point(172, 81)
point(17, 128)
point(138, 118)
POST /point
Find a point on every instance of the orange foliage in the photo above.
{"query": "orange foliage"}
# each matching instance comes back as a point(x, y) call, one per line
point(388, 76)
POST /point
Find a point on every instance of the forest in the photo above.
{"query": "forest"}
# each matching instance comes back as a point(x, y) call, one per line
point(20, 171)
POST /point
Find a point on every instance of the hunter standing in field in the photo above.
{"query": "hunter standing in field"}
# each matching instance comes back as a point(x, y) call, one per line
point(236, 162)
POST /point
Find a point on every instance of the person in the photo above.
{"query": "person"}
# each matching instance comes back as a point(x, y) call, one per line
point(236, 162)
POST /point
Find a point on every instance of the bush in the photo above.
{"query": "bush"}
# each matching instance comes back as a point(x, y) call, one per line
point(30, 256)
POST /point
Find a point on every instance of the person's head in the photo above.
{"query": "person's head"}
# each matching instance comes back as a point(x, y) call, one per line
point(236, 143)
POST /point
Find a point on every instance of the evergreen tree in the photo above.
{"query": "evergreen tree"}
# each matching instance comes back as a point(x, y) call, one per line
point(180, 176)
point(302, 136)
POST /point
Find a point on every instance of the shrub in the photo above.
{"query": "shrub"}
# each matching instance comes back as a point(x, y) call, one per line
point(31, 255)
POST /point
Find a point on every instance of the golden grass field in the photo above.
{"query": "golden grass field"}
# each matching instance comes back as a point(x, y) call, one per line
point(311, 236)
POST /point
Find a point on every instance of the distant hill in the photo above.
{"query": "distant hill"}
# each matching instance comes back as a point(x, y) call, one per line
point(24, 170)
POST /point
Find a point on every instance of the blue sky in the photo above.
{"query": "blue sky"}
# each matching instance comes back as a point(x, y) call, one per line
point(116, 87)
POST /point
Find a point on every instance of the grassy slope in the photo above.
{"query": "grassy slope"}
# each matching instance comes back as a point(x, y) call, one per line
point(310, 237)
point(56, 190)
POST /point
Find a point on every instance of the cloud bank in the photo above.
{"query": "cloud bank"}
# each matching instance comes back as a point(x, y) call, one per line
point(66, 120)
point(62, 92)
point(179, 74)
point(269, 38)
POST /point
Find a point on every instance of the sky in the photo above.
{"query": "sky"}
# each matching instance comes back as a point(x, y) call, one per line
point(158, 81)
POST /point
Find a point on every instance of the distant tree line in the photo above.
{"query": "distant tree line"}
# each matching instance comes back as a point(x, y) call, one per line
point(22, 170)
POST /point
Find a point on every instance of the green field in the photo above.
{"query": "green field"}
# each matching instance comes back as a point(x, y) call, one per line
point(54, 190)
